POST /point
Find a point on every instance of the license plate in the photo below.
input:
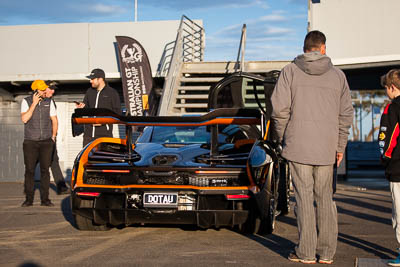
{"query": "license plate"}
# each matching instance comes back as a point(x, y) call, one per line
point(160, 200)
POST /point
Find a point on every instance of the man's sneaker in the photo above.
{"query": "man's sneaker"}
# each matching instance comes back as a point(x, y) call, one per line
point(47, 203)
point(325, 261)
point(395, 262)
point(295, 258)
point(27, 203)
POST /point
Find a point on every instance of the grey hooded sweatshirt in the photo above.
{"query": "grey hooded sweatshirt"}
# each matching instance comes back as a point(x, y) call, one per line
point(312, 110)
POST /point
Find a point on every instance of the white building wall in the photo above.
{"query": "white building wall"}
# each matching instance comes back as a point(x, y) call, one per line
point(358, 30)
point(70, 51)
point(12, 135)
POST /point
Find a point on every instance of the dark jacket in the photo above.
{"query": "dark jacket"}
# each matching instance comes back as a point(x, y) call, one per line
point(40, 126)
point(108, 98)
point(312, 110)
point(389, 140)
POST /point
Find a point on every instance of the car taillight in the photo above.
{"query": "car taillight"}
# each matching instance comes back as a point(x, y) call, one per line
point(88, 194)
point(235, 197)
point(116, 171)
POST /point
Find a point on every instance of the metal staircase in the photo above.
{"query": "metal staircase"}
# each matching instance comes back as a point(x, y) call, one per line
point(189, 79)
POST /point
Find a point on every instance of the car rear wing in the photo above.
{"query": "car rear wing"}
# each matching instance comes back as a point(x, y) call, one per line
point(215, 117)
point(219, 116)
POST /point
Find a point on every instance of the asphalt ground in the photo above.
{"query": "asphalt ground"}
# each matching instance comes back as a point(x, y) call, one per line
point(45, 236)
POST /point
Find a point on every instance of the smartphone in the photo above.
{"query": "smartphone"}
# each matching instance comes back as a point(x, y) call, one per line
point(76, 102)
point(36, 92)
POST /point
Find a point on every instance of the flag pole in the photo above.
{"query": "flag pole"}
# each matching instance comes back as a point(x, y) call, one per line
point(135, 10)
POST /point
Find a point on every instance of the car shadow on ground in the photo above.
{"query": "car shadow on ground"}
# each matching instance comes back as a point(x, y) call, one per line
point(275, 243)
point(66, 210)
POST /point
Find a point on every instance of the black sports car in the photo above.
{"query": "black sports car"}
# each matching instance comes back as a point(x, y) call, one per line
point(212, 170)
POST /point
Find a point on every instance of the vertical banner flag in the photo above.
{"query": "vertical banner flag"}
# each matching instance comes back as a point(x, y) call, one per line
point(136, 75)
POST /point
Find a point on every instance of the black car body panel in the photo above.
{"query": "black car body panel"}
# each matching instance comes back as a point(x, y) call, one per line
point(211, 170)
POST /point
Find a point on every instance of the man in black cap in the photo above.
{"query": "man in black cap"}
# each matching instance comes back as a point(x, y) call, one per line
point(100, 95)
point(55, 164)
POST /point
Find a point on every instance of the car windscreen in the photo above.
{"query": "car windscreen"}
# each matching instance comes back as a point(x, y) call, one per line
point(171, 134)
point(199, 134)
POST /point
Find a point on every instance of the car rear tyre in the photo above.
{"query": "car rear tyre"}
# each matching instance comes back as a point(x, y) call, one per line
point(252, 224)
point(267, 223)
point(85, 224)
point(258, 223)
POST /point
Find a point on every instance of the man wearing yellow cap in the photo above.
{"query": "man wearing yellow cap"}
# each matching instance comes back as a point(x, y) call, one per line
point(39, 116)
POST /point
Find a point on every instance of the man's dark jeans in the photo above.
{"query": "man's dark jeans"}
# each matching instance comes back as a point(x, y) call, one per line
point(35, 151)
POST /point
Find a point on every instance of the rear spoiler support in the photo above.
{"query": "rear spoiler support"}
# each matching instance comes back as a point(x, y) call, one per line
point(128, 133)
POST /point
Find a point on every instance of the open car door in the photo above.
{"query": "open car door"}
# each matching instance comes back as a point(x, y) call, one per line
point(248, 90)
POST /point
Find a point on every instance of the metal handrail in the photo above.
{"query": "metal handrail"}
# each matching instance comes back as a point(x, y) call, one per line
point(192, 36)
point(241, 51)
point(189, 47)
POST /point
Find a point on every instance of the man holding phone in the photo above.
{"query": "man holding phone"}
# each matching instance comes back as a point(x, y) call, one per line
point(99, 95)
point(38, 113)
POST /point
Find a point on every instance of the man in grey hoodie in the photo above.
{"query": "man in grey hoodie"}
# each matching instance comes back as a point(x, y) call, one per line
point(312, 114)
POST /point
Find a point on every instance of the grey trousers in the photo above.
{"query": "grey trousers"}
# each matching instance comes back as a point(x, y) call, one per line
point(315, 210)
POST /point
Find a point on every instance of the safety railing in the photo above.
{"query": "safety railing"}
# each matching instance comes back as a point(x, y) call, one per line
point(188, 47)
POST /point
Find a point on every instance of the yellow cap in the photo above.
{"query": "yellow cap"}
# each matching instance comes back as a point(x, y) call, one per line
point(39, 85)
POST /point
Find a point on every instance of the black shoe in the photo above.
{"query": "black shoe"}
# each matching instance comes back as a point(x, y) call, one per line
point(62, 189)
point(27, 203)
point(47, 203)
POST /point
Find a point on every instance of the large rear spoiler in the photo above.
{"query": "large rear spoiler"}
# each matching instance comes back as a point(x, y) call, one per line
point(218, 116)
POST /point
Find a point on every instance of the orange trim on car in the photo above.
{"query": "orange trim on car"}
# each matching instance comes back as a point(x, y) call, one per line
point(243, 142)
point(249, 174)
point(84, 158)
point(210, 122)
point(266, 130)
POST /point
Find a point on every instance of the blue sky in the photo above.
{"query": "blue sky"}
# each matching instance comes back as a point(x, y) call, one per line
point(275, 28)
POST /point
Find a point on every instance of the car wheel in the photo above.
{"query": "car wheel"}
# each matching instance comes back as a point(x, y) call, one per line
point(255, 224)
point(267, 222)
point(265, 200)
point(85, 224)
point(267, 225)
point(283, 206)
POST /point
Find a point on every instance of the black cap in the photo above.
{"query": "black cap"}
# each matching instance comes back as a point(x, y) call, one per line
point(52, 84)
point(96, 73)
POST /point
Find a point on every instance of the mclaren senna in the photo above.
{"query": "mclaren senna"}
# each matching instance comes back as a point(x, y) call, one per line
point(215, 170)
